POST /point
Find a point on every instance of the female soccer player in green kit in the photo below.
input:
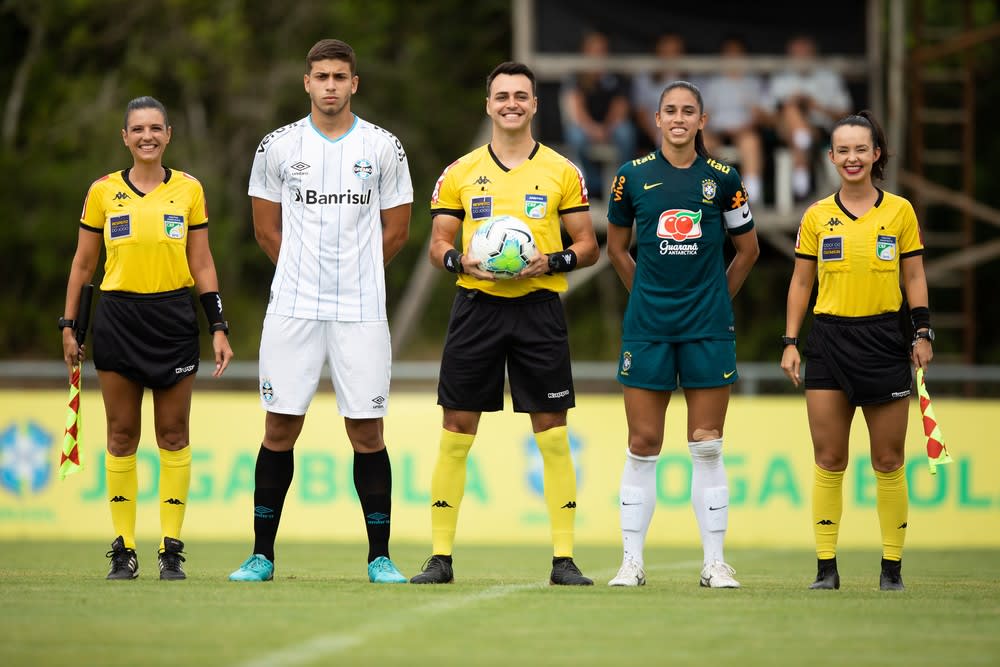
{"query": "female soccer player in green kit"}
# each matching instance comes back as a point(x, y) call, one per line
point(678, 328)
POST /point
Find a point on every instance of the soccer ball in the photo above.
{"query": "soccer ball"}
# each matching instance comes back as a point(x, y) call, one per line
point(503, 245)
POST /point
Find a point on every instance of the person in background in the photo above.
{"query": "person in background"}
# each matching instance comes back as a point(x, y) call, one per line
point(596, 111)
point(858, 242)
point(735, 103)
point(807, 99)
point(153, 222)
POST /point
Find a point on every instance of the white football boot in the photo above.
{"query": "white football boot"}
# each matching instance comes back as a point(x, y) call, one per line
point(630, 574)
point(718, 575)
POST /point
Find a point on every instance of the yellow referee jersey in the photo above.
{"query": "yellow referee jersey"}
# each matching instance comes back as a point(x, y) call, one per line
point(478, 186)
point(858, 258)
point(145, 234)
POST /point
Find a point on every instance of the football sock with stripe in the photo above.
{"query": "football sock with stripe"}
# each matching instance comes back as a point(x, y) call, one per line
point(272, 477)
point(448, 488)
point(175, 481)
point(373, 482)
point(710, 496)
point(559, 478)
point(637, 502)
point(827, 508)
point(123, 486)
point(893, 506)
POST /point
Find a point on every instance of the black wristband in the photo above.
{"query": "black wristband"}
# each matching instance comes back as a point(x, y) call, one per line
point(920, 316)
point(453, 261)
point(562, 261)
point(212, 303)
point(789, 340)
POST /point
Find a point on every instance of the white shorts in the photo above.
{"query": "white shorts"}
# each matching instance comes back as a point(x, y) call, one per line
point(292, 352)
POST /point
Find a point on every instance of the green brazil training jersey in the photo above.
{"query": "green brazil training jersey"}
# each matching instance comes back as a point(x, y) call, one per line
point(681, 219)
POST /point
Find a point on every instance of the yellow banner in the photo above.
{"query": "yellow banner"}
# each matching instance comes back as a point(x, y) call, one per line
point(767, 451)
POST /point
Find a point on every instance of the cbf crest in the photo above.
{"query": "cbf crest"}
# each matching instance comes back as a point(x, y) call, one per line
point(536, 206)
point(709, 188)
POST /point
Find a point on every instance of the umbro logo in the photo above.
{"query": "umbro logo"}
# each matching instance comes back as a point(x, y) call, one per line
point(173, 501)
point(833, 222)
point(570, 505)
point(482, 180)
point(121, 195)
point(300, 166)
point(377, 519)
point(119, 499)
point(824, 522)
point(440, 503)
point(901, 526)
point(262, 512)
point(378, 401)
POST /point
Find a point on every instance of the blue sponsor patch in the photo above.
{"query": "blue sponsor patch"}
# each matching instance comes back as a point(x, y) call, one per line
point(121, 226)
point(833, 249)
point(536, 206)
point(482, 207)
point(173, 226)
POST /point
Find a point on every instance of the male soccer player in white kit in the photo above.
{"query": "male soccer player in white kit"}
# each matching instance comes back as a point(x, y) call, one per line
point(331, 197)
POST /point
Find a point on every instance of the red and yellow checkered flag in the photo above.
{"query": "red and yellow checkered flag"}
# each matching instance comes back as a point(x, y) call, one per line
point(69, 460)
point(937, 453)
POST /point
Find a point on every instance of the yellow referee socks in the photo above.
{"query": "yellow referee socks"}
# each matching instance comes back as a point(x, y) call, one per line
point(447, 489)
point(560, 487)
point(123, 486)
point(893, 507)
point(175, 480)
point(827, 507)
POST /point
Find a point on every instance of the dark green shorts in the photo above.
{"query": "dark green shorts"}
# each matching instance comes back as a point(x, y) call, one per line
point(661, 366)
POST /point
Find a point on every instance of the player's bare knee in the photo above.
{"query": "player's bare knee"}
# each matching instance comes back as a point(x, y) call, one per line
point(122, 442)
point(644, 446)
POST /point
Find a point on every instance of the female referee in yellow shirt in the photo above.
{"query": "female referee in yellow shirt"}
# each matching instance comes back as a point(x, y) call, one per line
point(858, 241)
point(153, 223)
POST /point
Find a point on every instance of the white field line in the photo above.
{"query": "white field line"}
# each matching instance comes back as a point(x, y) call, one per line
point(330, 644)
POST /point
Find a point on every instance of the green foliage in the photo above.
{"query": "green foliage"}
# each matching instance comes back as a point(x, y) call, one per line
point(228, 73)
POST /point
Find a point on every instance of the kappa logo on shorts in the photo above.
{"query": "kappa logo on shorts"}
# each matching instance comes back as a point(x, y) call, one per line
point(885, 247)
point(481, 207)
point(121, 226)
point(266, 390)
point(173, 226)
point(832, 249)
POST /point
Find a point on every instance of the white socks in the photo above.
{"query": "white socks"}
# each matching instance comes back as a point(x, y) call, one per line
point(801, 181)
point(710, 496)
point(637, 500)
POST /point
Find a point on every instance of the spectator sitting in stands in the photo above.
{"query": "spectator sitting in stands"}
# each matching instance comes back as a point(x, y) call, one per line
point(808, 98)
point(596, 111)
point(733, 101)
point(647, 87)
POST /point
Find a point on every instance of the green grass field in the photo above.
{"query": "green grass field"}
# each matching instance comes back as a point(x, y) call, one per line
point(58, 610)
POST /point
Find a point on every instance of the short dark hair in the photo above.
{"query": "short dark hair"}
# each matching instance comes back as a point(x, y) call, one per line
point(332, 49)
point(866, 119)
point(145, 102)
point(510, 68)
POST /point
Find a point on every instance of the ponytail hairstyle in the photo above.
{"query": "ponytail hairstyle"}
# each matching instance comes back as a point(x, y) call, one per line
point(866, 119)
point(699, 138)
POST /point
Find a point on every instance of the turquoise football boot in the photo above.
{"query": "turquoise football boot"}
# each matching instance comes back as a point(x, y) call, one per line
point(382, 571)
point(255, 568)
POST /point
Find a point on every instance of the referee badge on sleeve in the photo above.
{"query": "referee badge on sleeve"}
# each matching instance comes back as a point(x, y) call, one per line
point(885, 247)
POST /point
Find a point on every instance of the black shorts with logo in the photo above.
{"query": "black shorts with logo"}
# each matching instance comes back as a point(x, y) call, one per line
point(527, 334)
point(867, 358)
point(151, 339)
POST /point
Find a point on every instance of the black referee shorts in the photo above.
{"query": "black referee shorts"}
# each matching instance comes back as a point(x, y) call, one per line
point(527, 334)
point(151, 339)
point(867, 358)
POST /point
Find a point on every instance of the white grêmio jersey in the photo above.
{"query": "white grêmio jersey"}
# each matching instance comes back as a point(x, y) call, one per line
point(330, 266)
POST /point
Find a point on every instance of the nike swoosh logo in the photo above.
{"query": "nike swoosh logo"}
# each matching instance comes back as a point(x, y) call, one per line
point(629, 504)
point(647, 186)
point(712, 509)
point(728, 375)
point(746, 214)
